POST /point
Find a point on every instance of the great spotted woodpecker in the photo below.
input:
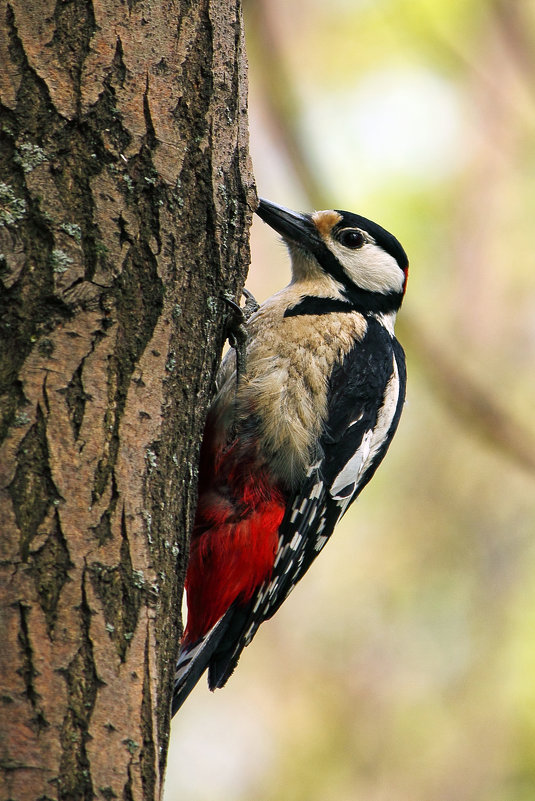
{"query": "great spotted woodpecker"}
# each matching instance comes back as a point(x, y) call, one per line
point(291, 443)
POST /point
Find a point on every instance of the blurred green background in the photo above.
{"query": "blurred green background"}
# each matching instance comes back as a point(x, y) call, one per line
point(402, 668)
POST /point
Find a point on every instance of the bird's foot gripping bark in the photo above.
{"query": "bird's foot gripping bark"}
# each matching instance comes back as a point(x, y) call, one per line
point(237, 331)
point(250, 306)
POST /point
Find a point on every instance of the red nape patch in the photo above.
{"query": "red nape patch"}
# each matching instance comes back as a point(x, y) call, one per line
point(406, 271)
point(234, 541)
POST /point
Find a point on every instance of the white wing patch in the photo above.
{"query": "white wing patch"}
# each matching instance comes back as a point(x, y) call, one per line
point(345, 483)
point(350, 472)
point(387, 411)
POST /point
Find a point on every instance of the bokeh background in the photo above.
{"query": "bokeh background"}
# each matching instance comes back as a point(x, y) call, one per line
point(402, 668)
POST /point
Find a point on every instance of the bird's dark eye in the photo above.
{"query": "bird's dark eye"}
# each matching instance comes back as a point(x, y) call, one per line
point(351, 238)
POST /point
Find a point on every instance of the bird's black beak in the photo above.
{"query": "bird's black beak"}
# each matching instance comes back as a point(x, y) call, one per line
point(291, 225)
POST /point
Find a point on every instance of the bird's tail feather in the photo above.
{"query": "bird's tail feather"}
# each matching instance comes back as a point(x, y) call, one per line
point(193, 661)
point(226, 657)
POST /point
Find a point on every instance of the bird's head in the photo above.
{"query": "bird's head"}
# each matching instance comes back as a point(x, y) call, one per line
point(367, 264)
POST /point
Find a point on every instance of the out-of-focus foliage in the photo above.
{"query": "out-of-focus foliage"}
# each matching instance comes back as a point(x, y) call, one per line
point(402, 668)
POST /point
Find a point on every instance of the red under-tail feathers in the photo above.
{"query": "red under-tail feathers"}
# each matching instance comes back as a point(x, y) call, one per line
point(235, 536)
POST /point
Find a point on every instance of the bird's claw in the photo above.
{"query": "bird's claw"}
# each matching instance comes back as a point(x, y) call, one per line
point(236, 330)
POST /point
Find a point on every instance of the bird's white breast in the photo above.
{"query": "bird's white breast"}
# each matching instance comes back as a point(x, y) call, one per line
point(289, 361)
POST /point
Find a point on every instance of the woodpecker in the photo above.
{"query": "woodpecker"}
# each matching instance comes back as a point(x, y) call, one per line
point(290, 444)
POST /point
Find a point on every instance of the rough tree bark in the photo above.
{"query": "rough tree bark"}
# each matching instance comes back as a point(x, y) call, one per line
point(125, 199)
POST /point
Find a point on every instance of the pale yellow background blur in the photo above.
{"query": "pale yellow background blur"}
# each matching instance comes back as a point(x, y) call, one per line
point(402, 668)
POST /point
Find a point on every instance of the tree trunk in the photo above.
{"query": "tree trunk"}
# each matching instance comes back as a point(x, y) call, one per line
point(125, 200)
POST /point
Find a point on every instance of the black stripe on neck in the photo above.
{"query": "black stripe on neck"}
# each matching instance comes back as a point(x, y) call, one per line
point(367, 302)
point(317, 305)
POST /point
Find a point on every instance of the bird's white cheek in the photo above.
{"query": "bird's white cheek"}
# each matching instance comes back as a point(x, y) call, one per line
point(370, 268)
